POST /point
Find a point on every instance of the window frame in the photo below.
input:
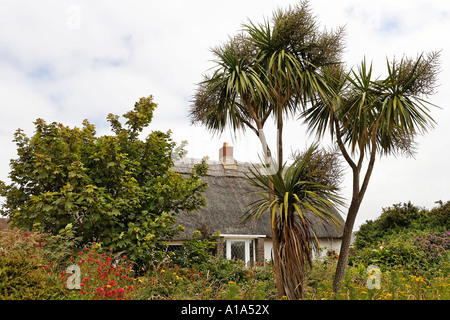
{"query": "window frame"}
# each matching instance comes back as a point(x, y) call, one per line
point(249, 247)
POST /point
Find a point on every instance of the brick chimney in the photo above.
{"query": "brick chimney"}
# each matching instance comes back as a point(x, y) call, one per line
point(226, 156)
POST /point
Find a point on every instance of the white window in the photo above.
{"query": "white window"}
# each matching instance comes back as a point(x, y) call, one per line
point(239, 249)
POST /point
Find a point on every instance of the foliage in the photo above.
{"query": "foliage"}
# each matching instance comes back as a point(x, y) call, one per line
point(114, 189)
point(103, 275)
point(392, 220)
point(215, 278)
point(418, 252)
point(297, 195)
point(439, 217)
point(396, 283)
point(269, 69)
point(28, 266)
point(367, 116)
point(269, 65)
point(31, 269)
point(402, 218)
point(196, 250)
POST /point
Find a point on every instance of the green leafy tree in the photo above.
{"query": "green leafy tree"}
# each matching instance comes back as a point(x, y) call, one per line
point(115, 189)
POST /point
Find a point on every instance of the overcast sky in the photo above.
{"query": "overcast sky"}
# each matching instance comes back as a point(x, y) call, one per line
point(66, 61)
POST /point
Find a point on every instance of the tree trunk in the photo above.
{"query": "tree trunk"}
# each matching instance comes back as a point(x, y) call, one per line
point(274, 228)
point(276, 258)
point(345, 245)
point(358, 195)
point(280, 136)
point(275, 244)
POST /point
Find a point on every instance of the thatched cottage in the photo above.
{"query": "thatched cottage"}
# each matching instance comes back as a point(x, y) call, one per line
point(227, 196)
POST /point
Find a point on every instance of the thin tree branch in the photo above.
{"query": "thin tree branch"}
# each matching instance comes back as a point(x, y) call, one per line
point(342, 147)
point(267, 114)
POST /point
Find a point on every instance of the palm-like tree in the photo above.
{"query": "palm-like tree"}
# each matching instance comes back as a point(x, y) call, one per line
point(299, 194)
point(291, 53)
point(368, 116)
point(268, 70)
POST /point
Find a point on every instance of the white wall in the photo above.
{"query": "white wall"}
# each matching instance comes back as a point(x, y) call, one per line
point(324, 243)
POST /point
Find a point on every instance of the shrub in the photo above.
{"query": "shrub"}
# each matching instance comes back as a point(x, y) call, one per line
point(418, 252)
point(399, 217)
point(434, 246)
point(196, 250)
point(439, 217)
point(29, 266)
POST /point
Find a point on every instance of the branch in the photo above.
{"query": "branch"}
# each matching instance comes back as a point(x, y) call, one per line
point(342, 147)
point(266, 115)
point(250, 126)
point(373, 140)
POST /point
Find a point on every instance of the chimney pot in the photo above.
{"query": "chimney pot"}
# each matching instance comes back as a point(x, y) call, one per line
point(226, 154)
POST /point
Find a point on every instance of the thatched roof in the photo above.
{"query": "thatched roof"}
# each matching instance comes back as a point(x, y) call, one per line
point(4, 223)
point(228, 195)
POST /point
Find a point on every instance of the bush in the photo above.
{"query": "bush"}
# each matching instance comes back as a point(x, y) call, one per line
point(399, 217)
point(435, 246)
point(196, 250)
point(402, 218)
point(34, 266)
point(29, 266)
point(439, 217)
point(215, 278)
point(418, 252)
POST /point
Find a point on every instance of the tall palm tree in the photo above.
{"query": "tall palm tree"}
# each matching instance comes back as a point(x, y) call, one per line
point(368, 116)
point(266, 71)
point(298, 195)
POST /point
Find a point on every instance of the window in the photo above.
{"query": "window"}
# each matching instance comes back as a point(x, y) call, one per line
point(239, 249)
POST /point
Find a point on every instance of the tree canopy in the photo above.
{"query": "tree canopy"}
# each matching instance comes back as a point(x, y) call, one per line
point(114, 189)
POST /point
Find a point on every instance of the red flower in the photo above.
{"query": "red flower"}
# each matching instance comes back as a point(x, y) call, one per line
point(100, 290)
